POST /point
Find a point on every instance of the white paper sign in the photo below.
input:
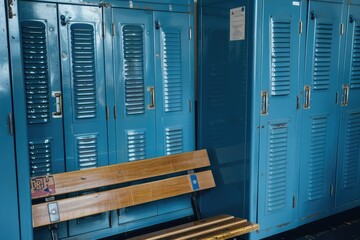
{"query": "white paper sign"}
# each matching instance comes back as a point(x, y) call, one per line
point(237, 24)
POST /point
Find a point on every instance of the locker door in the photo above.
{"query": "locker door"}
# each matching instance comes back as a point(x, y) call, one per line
point(134, 81)
point(40, 50)
point(9, 223)
point(85, 125)
point(280, 74)
point(348, 175)
point(82, 62)
point(174, 86)
point(133, 56)
point(174, 83)
point(319, 128)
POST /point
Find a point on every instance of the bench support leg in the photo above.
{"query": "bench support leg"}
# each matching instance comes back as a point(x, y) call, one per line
point(195, 205)
point(53, 231)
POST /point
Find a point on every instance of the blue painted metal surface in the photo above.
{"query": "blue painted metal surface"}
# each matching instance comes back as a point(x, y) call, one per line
point(9, 208)
point(319, 124)
point(21, 143)
point(69, 60)
point(154, 84)
point(224, 107)
point(278, 126)
point(348, 171)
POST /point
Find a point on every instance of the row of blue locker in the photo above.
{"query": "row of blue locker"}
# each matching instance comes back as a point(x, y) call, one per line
point(282, 116)
point(94, 84)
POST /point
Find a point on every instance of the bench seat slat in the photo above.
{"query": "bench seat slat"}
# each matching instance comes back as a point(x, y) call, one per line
point(125, 172)
point(196, 234)
point(219, 227)
point(230, 232)
point(184, 228)
point(94, 203)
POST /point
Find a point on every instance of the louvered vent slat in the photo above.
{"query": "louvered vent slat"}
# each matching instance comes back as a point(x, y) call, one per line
point(174, 140)
point(40, 157)
point(322, 56)
point(83, 70)
point(172, 70)
point(351, 162)
point(277, 165)
point(317, 158)
point(87, 151)
point(355, 65)
point(280, 57)
point(136, 145)
point(133, 50)
point(36, 77)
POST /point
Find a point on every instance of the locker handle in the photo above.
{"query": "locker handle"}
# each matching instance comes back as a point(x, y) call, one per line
point(265, 103)
point(59, 106)
point(345, 100)
point(152, 93)
point(307, 103)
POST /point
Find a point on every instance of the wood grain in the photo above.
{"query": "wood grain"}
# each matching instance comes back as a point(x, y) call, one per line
point(125, 172)
point(184, 228)
point(86, 205)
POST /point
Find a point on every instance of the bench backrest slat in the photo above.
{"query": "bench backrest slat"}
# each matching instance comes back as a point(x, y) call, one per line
point(89, 204)
point(120, 173)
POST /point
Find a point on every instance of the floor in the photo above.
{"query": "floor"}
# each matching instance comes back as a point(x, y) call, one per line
point(343, 226)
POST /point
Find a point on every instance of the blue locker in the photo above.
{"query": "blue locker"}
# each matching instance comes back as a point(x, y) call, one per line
point(9, 224)
point(65, 90)
point(348, 171)
point(319, 120)
point(280, 68)
point(42, 87)
point(153, 90)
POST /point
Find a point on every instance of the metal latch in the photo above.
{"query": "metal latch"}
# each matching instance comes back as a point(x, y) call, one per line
point(194, 182)
point(53, 212)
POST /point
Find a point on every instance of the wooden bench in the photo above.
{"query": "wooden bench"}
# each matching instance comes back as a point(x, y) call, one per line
point(190, 177)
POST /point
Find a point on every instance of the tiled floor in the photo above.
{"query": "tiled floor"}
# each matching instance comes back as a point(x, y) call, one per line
point(344, 226)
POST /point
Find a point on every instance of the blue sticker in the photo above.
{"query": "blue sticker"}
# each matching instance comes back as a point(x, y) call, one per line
point(194, 182)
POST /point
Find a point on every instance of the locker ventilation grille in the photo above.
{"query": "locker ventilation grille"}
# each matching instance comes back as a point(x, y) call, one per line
point(317, 158)
point(174, 141)
point(322, 57)
point(40, 157)
point(34, 48)
point(171, 40)
point(280, 57)
point(355, 71)
point(83, 67)
point(277, 165)
point(136, 145)
point(352, 152)
point(133, 44)
point(87, 151)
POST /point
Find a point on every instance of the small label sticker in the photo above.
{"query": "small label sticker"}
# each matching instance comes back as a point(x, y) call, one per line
point(237, 24)
point(42, 186)
point(295, 3)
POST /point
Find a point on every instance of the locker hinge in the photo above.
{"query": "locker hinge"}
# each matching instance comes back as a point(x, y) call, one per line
point(300, 27)
point(294, 202)
point(103, 29)
point(115, 112)
point(331, 190)
point(190, 33)
point(190, 106)
point(341, 29)
point(113, 29)
point(11, 124)
point(10, 9)
point(297, 103)
point(337, 98)
point(107, 112)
